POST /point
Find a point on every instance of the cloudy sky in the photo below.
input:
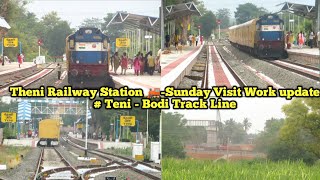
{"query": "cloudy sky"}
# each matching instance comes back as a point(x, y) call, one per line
point(270, 5)
point(258, 110)
point(75, 11)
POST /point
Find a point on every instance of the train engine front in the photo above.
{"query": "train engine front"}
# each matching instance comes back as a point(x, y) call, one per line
point(88, 58)
point(49, 132)
point(269, 40)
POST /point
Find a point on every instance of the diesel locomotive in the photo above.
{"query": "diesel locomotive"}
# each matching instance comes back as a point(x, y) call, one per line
point(262, 37)
point(88, 54)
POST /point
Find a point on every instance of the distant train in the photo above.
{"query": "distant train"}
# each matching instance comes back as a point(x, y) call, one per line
point(88, 57)
point(49, 132)
point(262, 37)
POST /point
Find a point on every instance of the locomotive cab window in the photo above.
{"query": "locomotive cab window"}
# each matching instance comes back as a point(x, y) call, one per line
point(71, 44)
point(105, 44)
point(258, 27)
point(281, 26)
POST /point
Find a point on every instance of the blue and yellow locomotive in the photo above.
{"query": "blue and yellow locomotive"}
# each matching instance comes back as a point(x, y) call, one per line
point(263, 37)
point(87, 52)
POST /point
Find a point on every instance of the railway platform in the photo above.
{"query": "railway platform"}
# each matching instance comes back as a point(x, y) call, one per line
point(218, 72)
point(133, 81)
point(14, 67)
point(178, 63)
point(306, 55)
point(28, 142)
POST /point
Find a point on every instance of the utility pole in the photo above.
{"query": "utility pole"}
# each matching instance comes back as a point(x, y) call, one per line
point(318, 26)
point(162, 24)
point(160, 137)
point(86, 145)
point(147, 126)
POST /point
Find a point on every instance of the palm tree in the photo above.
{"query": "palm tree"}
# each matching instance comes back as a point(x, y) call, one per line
point(246, 124)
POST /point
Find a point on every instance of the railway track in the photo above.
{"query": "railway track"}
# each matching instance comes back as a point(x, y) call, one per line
point(207, 71)
point(301, 70)
point(52, 164)
point(116, 162)
point(304, 70)
point(25, 78)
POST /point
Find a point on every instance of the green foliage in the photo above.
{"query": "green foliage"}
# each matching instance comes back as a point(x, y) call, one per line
point(232, 130)
point(146, 153)
point(297, 137)
point(208, 23)
point(270, 134)
point(205, 169)
point(28, 29)
point(224, 15)
point(113, 31)
point(172, 147)
point(174, 132)
point(286, 151)
point(9, 132)
point(246, 12)
point(102, 118)
point(92, 22)
point(122, 151)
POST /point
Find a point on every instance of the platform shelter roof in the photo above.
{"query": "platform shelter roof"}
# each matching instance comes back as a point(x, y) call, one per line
point(303, 10)
point(132, 21)
point(179, 10)
point(4, 24)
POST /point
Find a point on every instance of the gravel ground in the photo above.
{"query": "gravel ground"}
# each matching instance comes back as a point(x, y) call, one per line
point(66, 149)
point(247, 76)
point(122, 174)
point(50, 79)
point(280, 76)
point(25, 73)
point(26, 169)
point(192, 79)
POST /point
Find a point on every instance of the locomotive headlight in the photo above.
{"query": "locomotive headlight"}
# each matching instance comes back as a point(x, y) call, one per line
point(278, 39)
point(262, 39)
point(77, 62)
point(99, 62)
point(74, 72)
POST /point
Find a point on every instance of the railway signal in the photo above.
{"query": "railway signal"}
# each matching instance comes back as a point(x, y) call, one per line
point(219, 22)
point(199, 27)
point(39, 44)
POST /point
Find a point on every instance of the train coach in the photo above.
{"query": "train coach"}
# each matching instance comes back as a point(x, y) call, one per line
point(262, 37)
point(49, 132)
point(88, 54)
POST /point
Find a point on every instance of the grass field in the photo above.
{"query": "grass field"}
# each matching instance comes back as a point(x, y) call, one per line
point(205, 170)
point(10, 155)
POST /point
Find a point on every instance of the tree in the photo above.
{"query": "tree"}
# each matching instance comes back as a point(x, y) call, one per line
point(224, 15)
point(92, 22)
point(269, 135)
point(55, 40)
point(231, 130)
point(246, 124)
point(54, 33)
point(297, 137)
point(248, 11)
point(174, 133)
point(207, 23)
point(113, 31)
point(302, 125)
point(103, 118)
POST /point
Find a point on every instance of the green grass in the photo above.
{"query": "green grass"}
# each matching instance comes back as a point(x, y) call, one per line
point(121, 151)
point(245, 170)
point(10, 152)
